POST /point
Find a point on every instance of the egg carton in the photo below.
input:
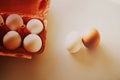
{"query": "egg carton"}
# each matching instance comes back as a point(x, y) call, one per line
point(27, 10)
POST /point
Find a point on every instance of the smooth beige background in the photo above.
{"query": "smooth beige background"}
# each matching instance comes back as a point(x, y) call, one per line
point(56, 63)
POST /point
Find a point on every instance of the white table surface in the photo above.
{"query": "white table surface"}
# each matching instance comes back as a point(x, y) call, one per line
point(56, 63)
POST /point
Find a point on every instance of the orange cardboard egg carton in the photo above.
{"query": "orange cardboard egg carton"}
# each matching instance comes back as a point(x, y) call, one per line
point(27, 10)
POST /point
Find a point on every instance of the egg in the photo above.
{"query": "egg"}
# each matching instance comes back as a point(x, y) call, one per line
point(32, 43)
point(35, 26)
point(14, 21)
point(1, 20)
point(91, 38)
point(11, 40)
point(73, 42)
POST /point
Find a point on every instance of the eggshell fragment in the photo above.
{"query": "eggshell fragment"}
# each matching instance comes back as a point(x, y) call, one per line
point(35, 26)
point(11, 40)
point(32, 43)
point(73, 42)
point(14, 21)
point(91, 38)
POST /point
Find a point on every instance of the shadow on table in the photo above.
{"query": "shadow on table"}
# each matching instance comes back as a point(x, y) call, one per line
point(89, 58)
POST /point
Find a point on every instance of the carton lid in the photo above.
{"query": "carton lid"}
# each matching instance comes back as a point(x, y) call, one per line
point(37, 8)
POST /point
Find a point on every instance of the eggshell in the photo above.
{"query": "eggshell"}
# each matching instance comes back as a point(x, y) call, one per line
point(91, 38)
point(73, 42)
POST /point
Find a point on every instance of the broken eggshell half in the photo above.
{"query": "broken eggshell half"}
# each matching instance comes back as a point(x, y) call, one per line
point(73, 42)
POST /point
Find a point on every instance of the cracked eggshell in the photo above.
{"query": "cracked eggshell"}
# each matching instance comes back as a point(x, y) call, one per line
point(91, 38)
point(73, 42)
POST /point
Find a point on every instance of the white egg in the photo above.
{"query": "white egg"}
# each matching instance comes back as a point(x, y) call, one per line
point(73, 42)
point(1, 20)
point(32, 43)
point(35, 26)
point(12, 40)
point(14, 21)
